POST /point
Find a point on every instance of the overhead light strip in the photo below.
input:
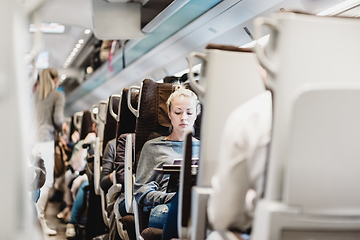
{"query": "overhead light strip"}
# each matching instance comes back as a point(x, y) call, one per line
point(75, 50)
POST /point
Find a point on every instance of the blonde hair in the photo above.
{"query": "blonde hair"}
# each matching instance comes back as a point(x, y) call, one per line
point(179, 89)
point(47, 83)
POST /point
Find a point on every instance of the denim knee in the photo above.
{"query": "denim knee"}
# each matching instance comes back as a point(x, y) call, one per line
point(158, 216)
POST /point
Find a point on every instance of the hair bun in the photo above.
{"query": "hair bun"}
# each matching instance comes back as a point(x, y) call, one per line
point(177, 86)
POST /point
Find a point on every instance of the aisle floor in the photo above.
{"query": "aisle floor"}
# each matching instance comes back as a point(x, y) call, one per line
point(54, 223)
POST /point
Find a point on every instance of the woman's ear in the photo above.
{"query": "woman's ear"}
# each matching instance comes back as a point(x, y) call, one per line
point(169, 115)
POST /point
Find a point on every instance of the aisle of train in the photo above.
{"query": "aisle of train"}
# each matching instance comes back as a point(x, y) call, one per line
point(54, 223)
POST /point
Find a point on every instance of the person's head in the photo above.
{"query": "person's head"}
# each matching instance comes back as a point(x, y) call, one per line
point(183, 108)
point(48, 81)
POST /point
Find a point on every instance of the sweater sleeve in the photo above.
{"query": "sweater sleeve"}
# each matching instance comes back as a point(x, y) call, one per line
point(107, 165)
point(149, 187)
point(59, 110)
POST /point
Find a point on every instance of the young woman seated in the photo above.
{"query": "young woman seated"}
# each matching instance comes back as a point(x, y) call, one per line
point(150, 187)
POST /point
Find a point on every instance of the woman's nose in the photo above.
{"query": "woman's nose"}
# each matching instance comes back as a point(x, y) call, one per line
point(183, 116)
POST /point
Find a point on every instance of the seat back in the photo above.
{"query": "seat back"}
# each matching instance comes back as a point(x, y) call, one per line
point(86, 122)
point(323, 146)
point(240, 81)
point(126, 119)
point(110, 128)
point(313, 150)
point(230, 78)
point(152, 118)
point(152, 122)
point(292, 74)
point(98, 114)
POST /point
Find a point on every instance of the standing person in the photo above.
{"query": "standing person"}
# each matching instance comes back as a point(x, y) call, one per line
point(49, 115)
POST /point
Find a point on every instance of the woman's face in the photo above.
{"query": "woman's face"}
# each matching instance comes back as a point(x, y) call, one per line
point(182, 113)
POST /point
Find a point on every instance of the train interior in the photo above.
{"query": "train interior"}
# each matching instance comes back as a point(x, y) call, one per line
point(117, 61)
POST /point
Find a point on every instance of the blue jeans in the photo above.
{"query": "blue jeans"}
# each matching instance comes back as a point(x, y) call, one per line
point(170, 226)
point(79, 205)
point(35, 195)
point(122, 209)
point(158, 215)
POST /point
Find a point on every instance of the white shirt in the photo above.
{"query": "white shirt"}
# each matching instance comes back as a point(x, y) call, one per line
point(242, 165)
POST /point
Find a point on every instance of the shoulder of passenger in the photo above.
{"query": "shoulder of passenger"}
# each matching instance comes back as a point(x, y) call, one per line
point(61, 95)
point(258, 104)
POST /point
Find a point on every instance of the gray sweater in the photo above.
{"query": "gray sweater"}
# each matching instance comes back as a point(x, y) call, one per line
point(149, 187)
point(43, 115)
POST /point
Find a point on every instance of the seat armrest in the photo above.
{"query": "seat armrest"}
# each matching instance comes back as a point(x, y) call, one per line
point(113, 193)
point(103, 208)
point(97, 169)
point(184, 206)
point(129, 179)
point(137, 220)
point(199, 200)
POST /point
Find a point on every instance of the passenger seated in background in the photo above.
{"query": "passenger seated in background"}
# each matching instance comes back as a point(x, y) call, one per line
point(241, 169)
point(63, 147)
point(77, 163)
point(78, 190)
point(114, 159)
point(38, 171)
point(150, 187)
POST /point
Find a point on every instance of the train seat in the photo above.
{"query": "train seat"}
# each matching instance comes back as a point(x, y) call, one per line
point(315, 128)
point(118, 120)
point(152, 122)
point(98, 115)
point(240, 81)
point(109, 132)
point(318, 177)
point(125, 127)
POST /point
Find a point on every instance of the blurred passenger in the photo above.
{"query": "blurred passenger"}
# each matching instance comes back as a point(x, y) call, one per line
point(150, 187)
point(36, 84)
point(239, 180)
point(63, 147)
point(79, 205)
point(75, 175)
point(114, 160)
point(77, 210)
point(38, 170)
point(49, 114)
point(106, 176)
